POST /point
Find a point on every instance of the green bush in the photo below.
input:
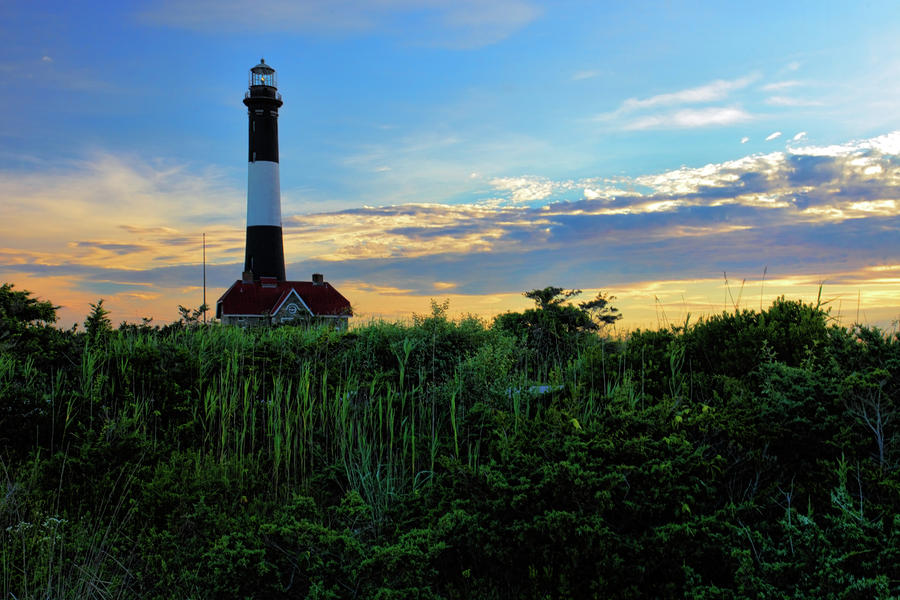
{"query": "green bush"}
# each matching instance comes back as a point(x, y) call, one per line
point(747, 455)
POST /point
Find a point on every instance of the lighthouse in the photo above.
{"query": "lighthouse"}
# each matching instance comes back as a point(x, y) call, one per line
point(264, 250)
point(263, 296)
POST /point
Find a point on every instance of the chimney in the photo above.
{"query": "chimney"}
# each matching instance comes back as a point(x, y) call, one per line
point(247, 276)
point(318, 279)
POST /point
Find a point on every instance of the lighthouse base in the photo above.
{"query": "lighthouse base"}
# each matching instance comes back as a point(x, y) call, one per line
point(264, 255)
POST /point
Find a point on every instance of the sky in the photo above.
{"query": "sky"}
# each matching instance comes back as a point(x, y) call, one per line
point(684, 157)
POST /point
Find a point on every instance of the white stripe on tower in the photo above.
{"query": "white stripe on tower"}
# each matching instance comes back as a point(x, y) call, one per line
point(263, 194)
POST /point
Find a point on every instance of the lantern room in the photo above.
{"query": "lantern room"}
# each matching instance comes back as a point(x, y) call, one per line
point(263, 75)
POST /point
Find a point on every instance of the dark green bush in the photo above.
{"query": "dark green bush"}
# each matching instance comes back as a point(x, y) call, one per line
point(748, 455)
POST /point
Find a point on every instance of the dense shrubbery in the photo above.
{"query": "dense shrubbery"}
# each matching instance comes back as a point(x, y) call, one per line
point(747, 455)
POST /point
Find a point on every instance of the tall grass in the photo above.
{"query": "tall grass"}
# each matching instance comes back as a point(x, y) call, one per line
point(384, 402)
point(46, 554)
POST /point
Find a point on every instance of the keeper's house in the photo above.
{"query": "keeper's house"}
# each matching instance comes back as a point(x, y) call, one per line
point(268, 301)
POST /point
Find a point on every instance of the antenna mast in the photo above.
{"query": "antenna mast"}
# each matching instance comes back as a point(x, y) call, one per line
point(204, 277)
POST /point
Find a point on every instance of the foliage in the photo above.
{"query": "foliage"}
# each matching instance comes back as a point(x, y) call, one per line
point(747, 455)
point(555, 327)
point(188, 316)
point(20, 314)
point(20, 307)
point(97, 324)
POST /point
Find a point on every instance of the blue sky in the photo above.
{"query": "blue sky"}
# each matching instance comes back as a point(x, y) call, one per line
point(459, 149)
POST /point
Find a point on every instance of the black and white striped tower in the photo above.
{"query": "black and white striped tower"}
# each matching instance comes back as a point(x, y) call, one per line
point(264, 253)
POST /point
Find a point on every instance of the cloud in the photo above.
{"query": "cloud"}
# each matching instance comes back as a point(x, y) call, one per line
point(438, 165)
point(745, 139)
point(48, 74)
point(473, 23)
point(789, 101)
point(773, 135)
point(799, 136)
point(888, 144)
point(691, 118)
point(580, 75)
point(113, 247)
point(148, 230)
point(643, 113)
point(710, 92)
point(452, 23)
point(789, 191)
point(117, 210)
point(812, 212)
point(781, 85)
point(527, 189)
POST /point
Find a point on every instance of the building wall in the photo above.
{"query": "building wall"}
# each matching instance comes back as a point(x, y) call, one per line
point(244, 321)
point(298, 315)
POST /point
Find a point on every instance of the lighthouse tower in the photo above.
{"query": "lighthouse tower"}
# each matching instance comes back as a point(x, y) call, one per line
point(263, 296)
point(264, 252)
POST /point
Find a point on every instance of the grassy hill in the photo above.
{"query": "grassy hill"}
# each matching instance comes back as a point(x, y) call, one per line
point(751, 454)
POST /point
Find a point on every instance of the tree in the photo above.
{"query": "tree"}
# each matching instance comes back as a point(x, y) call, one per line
point(585, 316)
point(601, 311)
point(19, 306)
point(555, 326)
point(190, 316)
point(865, 399)
point(550, 296)
point(97, 324)
point(20, 313)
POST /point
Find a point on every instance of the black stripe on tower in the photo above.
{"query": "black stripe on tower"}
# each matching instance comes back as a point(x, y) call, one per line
point(264, 254)
point(263, 124)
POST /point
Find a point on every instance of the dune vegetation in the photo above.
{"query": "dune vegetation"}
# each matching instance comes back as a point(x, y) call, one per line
point(745, 455)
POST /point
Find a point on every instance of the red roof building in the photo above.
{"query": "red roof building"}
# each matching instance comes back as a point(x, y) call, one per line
point(272, 302)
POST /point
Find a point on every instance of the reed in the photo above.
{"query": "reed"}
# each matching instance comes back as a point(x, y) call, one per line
point(384, 402)
point(46, 554)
